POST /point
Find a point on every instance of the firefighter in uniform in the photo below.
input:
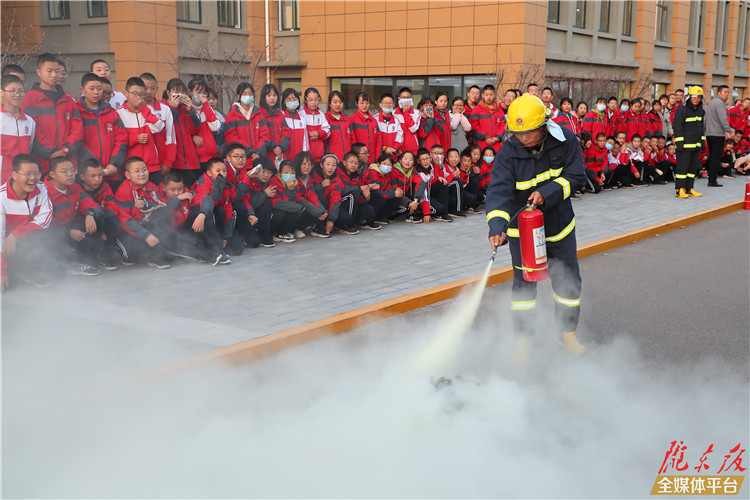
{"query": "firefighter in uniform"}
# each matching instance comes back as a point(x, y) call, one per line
point(689, 136)
point(541, 163)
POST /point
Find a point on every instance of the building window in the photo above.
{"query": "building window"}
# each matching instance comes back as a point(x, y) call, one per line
point(229, 13)
point(189, 11)
point(696, 24)
point(627, 18)
point(58, 10)
point(662, 16)
point(743, 48)
point(604, 16)
point(722, 25)
point(580, 21)
point(553, 11)
point(96, 8)
point(288, 15)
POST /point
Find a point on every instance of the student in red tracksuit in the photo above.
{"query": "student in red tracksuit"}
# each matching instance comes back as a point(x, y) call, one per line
point(271, 124)
point(595, 160)
point(619, 117)
point(459, 200)
point(242, 124)
point(91, 179)
point(294, 127)
point(315, 214)
point(593, 122)
point(566, 117)
point(329, 188)
point(391, 133)
point(104, 137)
point(482, 170)
point(165, 139)
point(25, 215)
point(17, 129)
point(634, 121)
point(316, 124)
point(76, 229)
point(365, 128)
point(340, 141)
point(442, 116)
point(254, 180)
point(429, 132)
point(739, 117)
point(137, 199)
point(653, 120)
point(409, 117)
point(741, 144)
point(286, 208)
point(487, 123)
point(471, 185)
point(141, 125)
point(610, 116)
point(384, 199)
point(429, 192)
point(186, 124)
point(59, 129)
point(205, 144)
point(355, 196)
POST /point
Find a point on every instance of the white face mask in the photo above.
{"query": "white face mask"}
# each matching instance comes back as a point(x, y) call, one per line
point(385, 169)
point(601, 107)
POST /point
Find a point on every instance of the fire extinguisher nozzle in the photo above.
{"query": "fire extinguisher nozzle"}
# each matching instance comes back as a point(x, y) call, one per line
point(494, 254)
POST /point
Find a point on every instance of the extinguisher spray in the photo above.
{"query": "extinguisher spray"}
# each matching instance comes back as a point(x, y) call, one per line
point(533, 244)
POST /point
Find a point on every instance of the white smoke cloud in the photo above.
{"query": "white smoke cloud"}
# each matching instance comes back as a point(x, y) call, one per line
point(348, 417)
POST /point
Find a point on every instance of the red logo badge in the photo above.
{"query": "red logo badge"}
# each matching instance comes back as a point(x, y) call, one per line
point(519, 121)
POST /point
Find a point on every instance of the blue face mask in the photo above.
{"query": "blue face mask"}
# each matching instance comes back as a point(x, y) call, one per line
point(624, 108)
point(489, 159)
point(601, 107)
point(609, 146)
point(247, 100)
point(385, 169)
point(428, 110)
point(287, 177)
point(196, 100)
point(292, 105)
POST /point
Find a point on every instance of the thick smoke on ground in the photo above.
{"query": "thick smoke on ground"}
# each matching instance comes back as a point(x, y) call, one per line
point(349, 417)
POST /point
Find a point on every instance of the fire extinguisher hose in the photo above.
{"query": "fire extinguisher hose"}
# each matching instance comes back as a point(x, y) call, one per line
point(515, 216)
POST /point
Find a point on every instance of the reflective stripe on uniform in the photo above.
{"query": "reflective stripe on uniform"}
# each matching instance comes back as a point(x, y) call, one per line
point(694, 119)
point(565, 185)
point(512, 232)
point(498, 213)
point(692, 146)
point(567, 302)
point(690, 175)
point(679, 139)
point(562, 234)
point(549, 174)
point(522, 305)
point(680, 176)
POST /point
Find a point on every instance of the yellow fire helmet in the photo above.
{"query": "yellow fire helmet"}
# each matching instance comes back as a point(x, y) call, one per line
point(526, 113)
point(695, 90)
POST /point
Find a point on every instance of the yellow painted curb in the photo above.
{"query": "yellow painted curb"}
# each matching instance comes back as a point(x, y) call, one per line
point(269, 344)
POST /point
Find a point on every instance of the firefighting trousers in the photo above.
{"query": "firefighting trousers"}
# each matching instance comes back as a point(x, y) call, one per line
point(566, 286)
point(686, 169)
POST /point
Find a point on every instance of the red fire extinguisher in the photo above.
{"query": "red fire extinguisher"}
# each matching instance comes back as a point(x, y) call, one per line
point(747, 196)
point(533, 244)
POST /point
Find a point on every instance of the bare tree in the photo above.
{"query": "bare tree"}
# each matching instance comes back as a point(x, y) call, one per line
point(18, 39)
point(510, 76)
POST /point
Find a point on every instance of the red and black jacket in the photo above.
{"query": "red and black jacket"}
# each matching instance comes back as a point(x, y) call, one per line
point(365, 130)
point(596, 159)
point(179, 210)
point(58, 123)
point(486, 123)
point(400, 177)
point(129, 214)
point(270, 133)
point(186, 124)
point(104, 197)
point(340, 140)
point(443, 119)
point(245, 131)
point(72, 203)
point(104, 137)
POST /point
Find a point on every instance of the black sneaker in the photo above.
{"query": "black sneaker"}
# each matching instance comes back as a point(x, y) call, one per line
point(183, 255)
point(224, 260)
point(348, 230)
point(458, 215)
point(127, 262)
point(414, 219)
point(109, 263)
point(575, 196)
point(372, 226)
point(715, 184)
point(319, 233)
point(443, 218)
point(81, 269)
point(383, 221)
point(267, 243)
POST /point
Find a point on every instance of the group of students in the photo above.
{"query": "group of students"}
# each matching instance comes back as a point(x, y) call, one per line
point(116, 178)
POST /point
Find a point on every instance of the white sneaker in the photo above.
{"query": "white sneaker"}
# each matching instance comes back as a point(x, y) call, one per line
point(299, 234)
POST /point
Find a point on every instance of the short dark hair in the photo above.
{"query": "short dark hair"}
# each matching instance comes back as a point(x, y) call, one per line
point(385, 95)
point(8, 79)
point(362, 95)
point(134, 81)
point(601, 99)
point(13, 68)
point(242, 87)
point(87, 164)
point(636, 136)
point(634, 101)
point(22, 158)
point(212, 161)
point(310, 90)
point(56, 161)
point(357, 147)
point(466, 153)
point(62, 63)
point(148, 76)
point(172, 177)
point(601, 134)
point(335, 93)
point(45, 58)
point(385, 156)
point(489, 148)
point(611, 98)
point(233, 146)
point(722, 87)
point(422, 151)
point(91, 66)
point(436, 146)
point(130, 161)
point(488, 87)
point(680, 90)
point(407, 89)
point(299, 159)
point(90, 77)
point(196, 83)
point(105, 81)
point(175, 83)
point(550, 89)
point(475, 87)
point(532, 84)
point(351, 154)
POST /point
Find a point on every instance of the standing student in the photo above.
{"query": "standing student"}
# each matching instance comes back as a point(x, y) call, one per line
point(391, 133)
point(340, 141)
point(442, 116)
point(271, 124)
point(460, 126)
point(429, 134)
point(100, 67)
point(611, 116)
point(15, 70)
point(473, 96)
point(365, 128)
point(243, 122)
point(165, 139)
point(634, 124)
point(205, 144)
point(316, 125)
point(566, 117)
point(294, 127)
point(25, 212)
point(409, 118)
point(141, 125)
point(508, 97)
point(17, 129)
point(487, 123)
point(213, 101)
point(547, 96)
point(104, 136)
point(59, 129)
point(581, 110)
point(593, 123)
point(186, 124)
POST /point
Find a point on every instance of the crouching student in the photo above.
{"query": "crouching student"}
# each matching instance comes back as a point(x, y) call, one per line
point(235, 164)
point(426, 186)
point(329, 188)
point(728, 158)
point(355, 198)
point(400, 178)
point(471, 186)
point(595, 160)
point(384, 200)
point(25, 215)
point(254, 181)
point(638, 161)
point(73, 231)
point(216, 196)
point(137, 199)
point(91, 179)
point(315, 215)
point(459, 200)
point(482, 169)
point(285, 209)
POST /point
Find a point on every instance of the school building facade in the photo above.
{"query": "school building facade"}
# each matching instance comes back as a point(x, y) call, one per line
point(580, 48)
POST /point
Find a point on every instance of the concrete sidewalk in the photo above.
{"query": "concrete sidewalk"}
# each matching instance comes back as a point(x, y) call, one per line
point(193, 308)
